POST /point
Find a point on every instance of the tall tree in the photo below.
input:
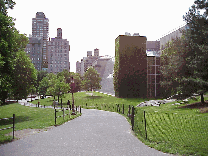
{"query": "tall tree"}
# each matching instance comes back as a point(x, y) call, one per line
point(40, 75)
point(58, 86)
point(17, 73)
point(91, 80)
point(173, 65)
point(8, 48)
point(43, 86)
point(25, 76)
point(64, 73)
point(197, 55)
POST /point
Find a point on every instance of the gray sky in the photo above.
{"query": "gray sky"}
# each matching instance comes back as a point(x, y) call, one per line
point(90, 24)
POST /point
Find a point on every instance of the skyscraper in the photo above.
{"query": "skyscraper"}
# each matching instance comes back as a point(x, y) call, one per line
point(40, 25)
point(58, 53)
point(34, 51)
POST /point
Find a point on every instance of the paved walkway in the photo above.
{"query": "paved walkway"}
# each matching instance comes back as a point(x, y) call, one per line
point(94, 133)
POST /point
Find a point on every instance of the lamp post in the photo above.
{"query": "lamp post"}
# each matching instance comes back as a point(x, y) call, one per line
point(72, 91)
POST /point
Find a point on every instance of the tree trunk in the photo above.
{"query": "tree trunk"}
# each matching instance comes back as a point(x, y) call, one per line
point(202, 98)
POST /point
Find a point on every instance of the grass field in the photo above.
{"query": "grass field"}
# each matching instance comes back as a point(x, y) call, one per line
point(170, 128)
point(81, 98)
point(27, 118)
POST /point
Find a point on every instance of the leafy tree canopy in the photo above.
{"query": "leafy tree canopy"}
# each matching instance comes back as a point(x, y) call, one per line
point(197, 54)
point(91, 80)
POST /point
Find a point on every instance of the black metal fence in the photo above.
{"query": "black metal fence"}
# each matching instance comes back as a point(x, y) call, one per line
point(169, 128)
point(13, 118)
point(65, 112)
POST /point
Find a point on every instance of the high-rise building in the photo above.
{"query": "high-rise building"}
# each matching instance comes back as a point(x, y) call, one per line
point(34, 51)
point(96, 52)
point(78, 67)
point(40, 25)
point(86, 62)
point(89, 53)
point(58, 53)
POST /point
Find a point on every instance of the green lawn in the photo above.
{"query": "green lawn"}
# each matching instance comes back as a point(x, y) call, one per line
point(170, 128)
point(27, 117)
point(81, 98)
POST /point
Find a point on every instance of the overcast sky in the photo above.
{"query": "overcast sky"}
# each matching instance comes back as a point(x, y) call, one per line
point(90, 24)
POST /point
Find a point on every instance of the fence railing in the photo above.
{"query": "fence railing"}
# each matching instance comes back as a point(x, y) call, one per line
point(12, 123)
point(181, 129)
point(69, 109)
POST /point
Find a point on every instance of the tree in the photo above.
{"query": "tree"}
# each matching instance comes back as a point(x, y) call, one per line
point(25, 76)
point(57, 86)
point(40, 75)
point(197, 56)
point(173, 65)
point(43, 86)
point(8, 47)
point(46, 82)
point(91, 80)
point(66, 75)
point(17, 73)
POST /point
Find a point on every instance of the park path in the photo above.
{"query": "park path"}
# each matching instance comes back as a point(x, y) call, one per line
point(96, 132)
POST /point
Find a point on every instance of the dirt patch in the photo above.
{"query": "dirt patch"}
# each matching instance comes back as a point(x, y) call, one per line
point(202, 106)
point(20, 134)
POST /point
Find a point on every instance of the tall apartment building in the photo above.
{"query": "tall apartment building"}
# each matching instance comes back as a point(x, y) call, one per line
point(58, 53)
point(40, 28)
point(78, 67)
point(34, 51)
point(86, 62)
point(96, 52)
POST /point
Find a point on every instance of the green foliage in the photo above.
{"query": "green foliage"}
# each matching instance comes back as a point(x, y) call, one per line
point(173, 65)
point(6, 4)
point(197, 55)
point(25, 75)
point(116, 68)
point(43, 86)
point(91, 80)
point(40, 75)
point(56, 85)
point(66, 75)
point(17, 74)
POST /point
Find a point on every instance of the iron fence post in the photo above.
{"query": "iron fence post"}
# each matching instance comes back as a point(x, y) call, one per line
point(13, 124)
point(63, 113)
point(55, 117)
point(145, 125)
point(132, 118)
point(123, 108)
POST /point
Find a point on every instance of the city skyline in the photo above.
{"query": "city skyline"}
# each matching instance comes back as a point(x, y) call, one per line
point(88, 24)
